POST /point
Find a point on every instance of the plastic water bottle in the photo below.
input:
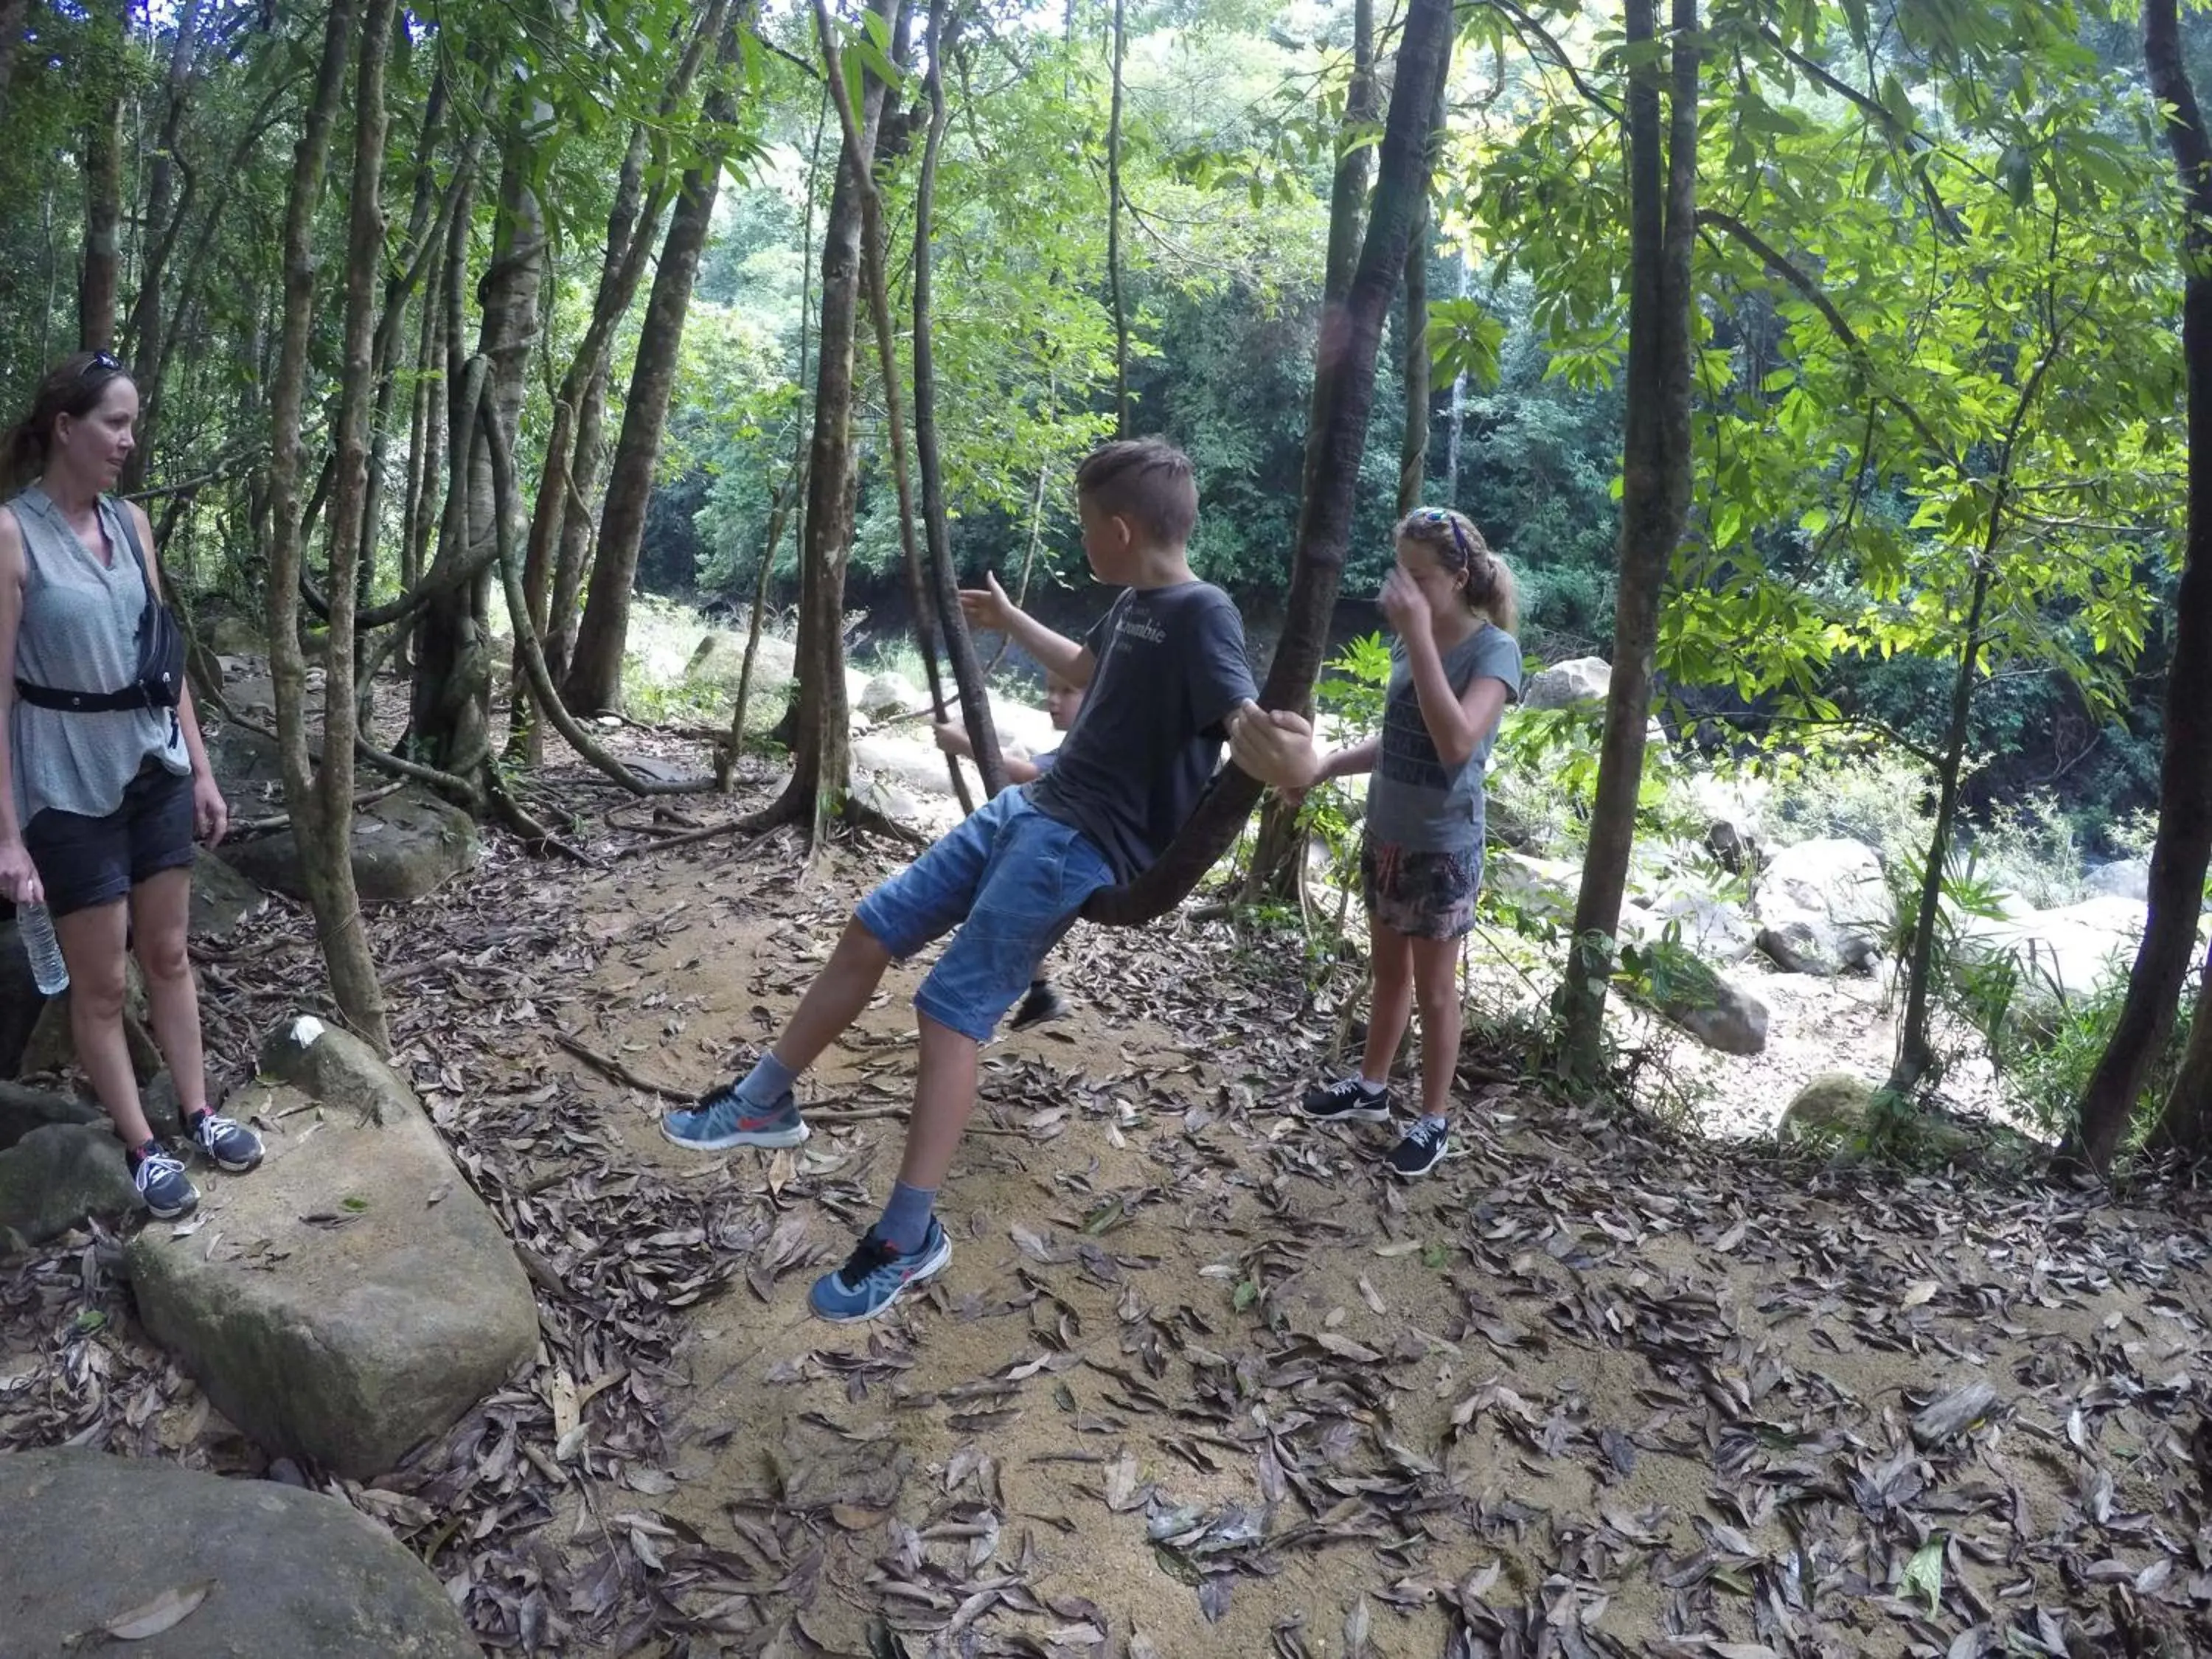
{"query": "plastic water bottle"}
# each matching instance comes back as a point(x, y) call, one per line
point(48, 971)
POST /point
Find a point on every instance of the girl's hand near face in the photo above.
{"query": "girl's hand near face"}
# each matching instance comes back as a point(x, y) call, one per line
point(1404, 607)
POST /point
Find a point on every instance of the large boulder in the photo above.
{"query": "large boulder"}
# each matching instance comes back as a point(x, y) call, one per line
point(1834, 889)
point(1796, 947)
point(234, 636)
point(1543, 888)
point(222, 899)
point(247, 1568)
point(23, 1110)
point(55, 1176)
point(52, 1046)
point(2127, 879)
point(885, 697)
point(20, 1000)
point(719, 662)
point(405, 846)
point(910, 761)
point(1565, 685)
point(1831, 1107)
point(362, 1298)
point(1717, 931)
point(2066, 952)
point(1723, 1016)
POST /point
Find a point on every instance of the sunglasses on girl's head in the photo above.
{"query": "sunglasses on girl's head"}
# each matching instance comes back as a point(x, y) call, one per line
point(1437, 515)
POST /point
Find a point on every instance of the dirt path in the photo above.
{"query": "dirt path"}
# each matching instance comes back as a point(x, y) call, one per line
point(1200, 1379)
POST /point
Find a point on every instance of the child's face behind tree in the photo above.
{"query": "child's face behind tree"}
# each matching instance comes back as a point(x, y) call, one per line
point(1062, 701)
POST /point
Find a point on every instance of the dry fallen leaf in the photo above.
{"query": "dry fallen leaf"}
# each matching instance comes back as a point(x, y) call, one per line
point(164, 1613)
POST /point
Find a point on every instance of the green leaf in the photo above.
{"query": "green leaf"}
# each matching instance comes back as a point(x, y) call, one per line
point(1924, 1574)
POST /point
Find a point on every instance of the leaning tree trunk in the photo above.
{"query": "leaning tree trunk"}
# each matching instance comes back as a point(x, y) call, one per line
point(1344, 395)
point(450, 705)
point(594, 681)
point(103, 195)
point(1656, 466)
point(345, 946)
point(967, 671)
point(821, 750)
point(2179, 856)
point(1279, 847)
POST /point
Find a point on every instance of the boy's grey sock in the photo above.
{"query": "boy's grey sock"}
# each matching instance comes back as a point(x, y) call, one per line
point(1434, 1121)
point(766, 1084)
point(905, 1221)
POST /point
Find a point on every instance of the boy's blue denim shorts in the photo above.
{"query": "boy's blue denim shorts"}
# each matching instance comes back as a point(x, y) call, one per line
point(1011, 879)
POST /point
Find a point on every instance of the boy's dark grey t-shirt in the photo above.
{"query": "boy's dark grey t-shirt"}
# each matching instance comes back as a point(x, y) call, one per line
point(1170, 670)
point(1414, 799)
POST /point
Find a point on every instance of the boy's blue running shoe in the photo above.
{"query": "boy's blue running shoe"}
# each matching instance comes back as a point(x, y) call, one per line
point(876, 1275)
point(721, 1121)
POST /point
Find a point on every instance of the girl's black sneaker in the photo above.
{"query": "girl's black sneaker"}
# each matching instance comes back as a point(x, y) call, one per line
point(1347, 1100)
point(1422, 1149)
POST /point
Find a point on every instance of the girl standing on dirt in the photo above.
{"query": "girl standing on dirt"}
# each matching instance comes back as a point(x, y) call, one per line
point(104, 782)
point(1454, 666)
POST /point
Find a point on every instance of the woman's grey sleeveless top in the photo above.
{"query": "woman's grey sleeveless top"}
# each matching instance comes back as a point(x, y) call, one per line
point(80, 633)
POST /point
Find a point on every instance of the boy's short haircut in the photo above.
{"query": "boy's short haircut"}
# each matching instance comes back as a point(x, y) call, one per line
point(1147, 481)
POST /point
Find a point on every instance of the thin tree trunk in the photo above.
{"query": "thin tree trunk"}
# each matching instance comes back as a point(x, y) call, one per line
point(418, 253)
point(594, 678)
point(1656, 466)
point(967, 671)
point(103, 194)
point(345, 947)
point(1344, 397)
point(1277, 869)
point(733, 749)
point(821, 751)
point(1413, 452)
point(1454, 438)
point(879, 307)
point(2183, 851)
point(165, 218)
point(450, 705)
point(1119, 300)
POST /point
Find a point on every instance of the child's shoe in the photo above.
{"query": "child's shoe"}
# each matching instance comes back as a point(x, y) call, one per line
point(229, 1145)
point(1347, 1100)
point(1043, 1002)
point(161, 1182)
point(876, 1275)
point(721, 1120)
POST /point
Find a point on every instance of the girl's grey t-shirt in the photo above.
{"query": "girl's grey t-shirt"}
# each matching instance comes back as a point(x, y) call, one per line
point(80, 633)
point(1414, 799)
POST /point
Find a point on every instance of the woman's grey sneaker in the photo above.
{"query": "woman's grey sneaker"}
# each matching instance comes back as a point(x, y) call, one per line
point(1347, 1100)
point(230, 1145)
point(1043, 1002)
point(876, 1274)
point(161, 1182)
point(723, 1120)
point(1422, 1149)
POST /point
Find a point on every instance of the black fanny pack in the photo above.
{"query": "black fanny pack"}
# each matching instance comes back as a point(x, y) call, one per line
point(159, 682)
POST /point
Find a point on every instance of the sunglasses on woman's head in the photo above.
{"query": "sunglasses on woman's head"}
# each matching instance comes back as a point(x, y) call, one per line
point(101, 362)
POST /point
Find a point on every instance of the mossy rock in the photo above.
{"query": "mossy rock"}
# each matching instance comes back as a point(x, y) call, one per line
point(1831, 1107)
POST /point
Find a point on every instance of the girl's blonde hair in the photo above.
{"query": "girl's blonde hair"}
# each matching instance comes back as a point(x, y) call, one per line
point(1459, 547)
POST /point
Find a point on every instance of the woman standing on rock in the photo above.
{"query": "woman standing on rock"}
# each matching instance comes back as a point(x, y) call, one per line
point(103, 779)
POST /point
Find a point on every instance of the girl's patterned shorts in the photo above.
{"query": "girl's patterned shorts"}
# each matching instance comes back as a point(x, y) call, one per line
point(1420, 895)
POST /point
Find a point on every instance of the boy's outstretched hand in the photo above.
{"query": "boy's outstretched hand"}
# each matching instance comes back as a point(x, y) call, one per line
point(1273, 745)
point(953, 738)
point(989, 606)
